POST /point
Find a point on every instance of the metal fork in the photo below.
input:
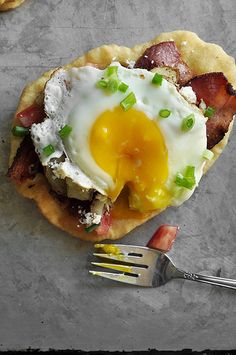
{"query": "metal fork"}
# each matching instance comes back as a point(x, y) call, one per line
point(148, 267)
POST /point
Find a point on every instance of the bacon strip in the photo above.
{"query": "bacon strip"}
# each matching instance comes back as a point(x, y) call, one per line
point(26, 162)
point(165, 54)
point(32, 114)
point(215, 90)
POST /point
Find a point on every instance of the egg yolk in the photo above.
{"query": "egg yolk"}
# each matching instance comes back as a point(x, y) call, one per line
point(131, 149)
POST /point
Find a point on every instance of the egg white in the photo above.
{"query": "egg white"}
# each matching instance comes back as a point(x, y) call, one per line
point(71, 97)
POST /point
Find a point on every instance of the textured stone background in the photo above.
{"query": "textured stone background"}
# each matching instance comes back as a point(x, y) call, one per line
point(47, 297)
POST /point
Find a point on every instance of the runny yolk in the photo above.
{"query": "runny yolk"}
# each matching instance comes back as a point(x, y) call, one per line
point(131, 149)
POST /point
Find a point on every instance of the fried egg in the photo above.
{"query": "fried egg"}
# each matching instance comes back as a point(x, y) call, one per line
point(110, 148)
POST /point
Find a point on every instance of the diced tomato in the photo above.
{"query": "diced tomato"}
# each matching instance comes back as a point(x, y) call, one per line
point(32, 114)
point(163, 238)
point(104, 225)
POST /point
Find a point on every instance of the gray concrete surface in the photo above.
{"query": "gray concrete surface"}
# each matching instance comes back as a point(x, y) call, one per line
point(47, 299)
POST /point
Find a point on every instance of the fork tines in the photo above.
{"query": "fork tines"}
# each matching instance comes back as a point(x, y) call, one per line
point(122, 253)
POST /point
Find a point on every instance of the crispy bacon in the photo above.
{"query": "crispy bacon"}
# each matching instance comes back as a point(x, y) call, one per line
point(165, 54)
point(26, 162)
point(163, 238)
point(32, 114)
point(215, 90)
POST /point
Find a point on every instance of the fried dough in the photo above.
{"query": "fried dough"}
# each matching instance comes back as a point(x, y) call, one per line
point(6, 5)
point(201, 57)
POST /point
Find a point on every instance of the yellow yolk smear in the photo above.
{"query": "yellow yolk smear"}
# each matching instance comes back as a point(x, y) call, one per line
point(131, 149)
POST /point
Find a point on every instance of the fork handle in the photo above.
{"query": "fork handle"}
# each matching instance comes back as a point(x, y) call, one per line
point(213, 280)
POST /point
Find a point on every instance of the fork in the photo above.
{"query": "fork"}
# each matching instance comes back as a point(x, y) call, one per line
point(143, 266)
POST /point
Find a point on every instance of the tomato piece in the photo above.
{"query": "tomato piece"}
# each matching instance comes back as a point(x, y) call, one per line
point(163, 238)
point(105, 224)
point(32, 114)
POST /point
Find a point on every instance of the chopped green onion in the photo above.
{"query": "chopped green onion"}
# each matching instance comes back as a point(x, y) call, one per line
point(209, 111)
point(48, 150)
point(113, 84)
point(189, 172)
point(208, 154)
point(65, 131)
point(188, 179)
point(20, 131)
point(164, 113)
point(179, 179)
point(157, 79)
point(128, 102)
point(123, 87)
point(91, 228)
point(188, 123)
point(101, 84)
point(111, 71)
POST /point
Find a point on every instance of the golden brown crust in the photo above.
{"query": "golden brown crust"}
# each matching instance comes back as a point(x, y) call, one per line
point(6, 5)
point(202, 57)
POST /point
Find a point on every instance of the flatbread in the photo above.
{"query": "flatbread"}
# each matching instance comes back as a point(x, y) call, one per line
point(9, 4)
point(202, 57)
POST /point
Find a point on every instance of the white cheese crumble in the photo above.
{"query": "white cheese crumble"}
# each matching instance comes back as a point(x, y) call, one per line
point(188, 93)
point(90, 218)
point(202, 105)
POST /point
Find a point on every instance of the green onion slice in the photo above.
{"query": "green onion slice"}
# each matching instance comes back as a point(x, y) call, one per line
point(48, 150)
point(188, 123)
point(101, 84)
point(189, 172)
point(123, 87)
point(113, 70)
point(157, 79)
point(113, 85)
point(65, 131)
point(188, 179)
point(128, 102)
point(209, 111)
point(208, 154)
point(91, 228)
point(164, 113)
point(19, 131)
point(179, 179)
